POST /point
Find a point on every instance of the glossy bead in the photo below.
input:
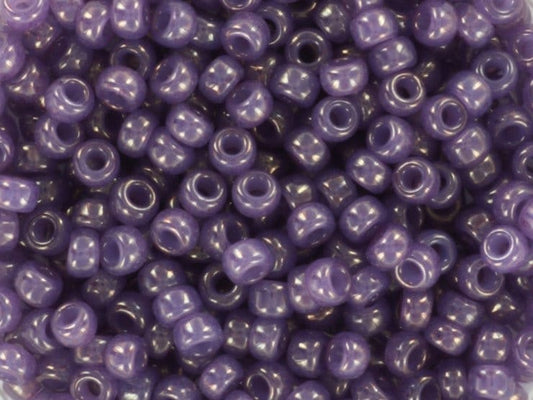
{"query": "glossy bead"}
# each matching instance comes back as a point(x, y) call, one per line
point(268, 338)
point(101, 288)
point(120, 88)
point(125, 356)
point(444, 117)
point(38, 285)
point(492, 344)
point(368, 285)
point(218, 292)
point(294, 84)
point(504, 13)
point(520, 355)
point(360, 219)
point(159, 275)
point(298, 189)
point(247, 261)
point(343, 76)
point(406, 354)
point(333, 19)
point(219, 78)
point(434, 23)
point(14, 55)
point(9, 231)
point(74, 324)
point(416, 387)
point(91, 354)
point(69, 99)
point(173, 24)
point(268, 380)
point(368, 171)
point(521, 157)
point(232, 151)
point(249, 104)
point(236, 332)
point(490, 381)
point(129, 312)
point(447, 336)
point(402, 94)
point(18, 194)
point(17, 365)
point(443, 244)
point(189, 126)
point(305, 353)
point(504, 248)
point(337, 189)
point(133, 201)
point(202, 193)
point(328, 281)
point(96, 163)
point(93, 28)
point(310, 225)
point(392, 56)
point(86, 381)
point(30, 83)
point(299, 295)
point(221, 231)
point(415, 310)
point(198, 335)
point(509, 199)
point(269, 299)
point(139, 55)
point(451, 376)
point(420, 270)
point(219, 377)
point(21, 17)
point(123, 250)
point(255, 194)
point(307, 48)
point(55, 370)
point(473, 26)
point(372, 27)
point(35, 332)
point(158, 341)
point(471, 90)
point(129, 18)
point(174, 232)
point(55, 139)
point(469, 147)
point(335, 120)
point(307, 149)
point(388, 247)
point(174, 79)
point(415, 180)
point(92, 212)
point(11, 309)
point(509, 125)
point(176, 387)
point(174, 303)
point(46, 232)
point(450, 188)
point(476, 279)
point(370, 320)
point(283, 250)
point(83, 257)
point(209, 32)
point(140, 387)
point(499, 71)
point(245, 36)
point(347, 355)
point(309, 390)
point(167, 154)
point(390, 138)
point(7, 151)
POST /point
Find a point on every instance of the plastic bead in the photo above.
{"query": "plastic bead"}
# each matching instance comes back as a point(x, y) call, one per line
point(35, 332)
point(268, 338)
point(444, 117)
point(389, 247)
point(30, 83)
point(402, 94)
point(129, 18)
point(328, 282)
point(509, 126)
point(310, 225)
point(123, 250)
point(125, 356)
point(139, 55)
point(249, 104)
point(361, 219)
point(174, 303)
point(416, 387)
point(504, 248)
point(368, 171)
point(368, 285)
point(21, 17)
point(305, 352)
point(174, 79)
point(475, 279)
point(176, 386)
point(38, 285)
point(333, 19)
point(473, 27)
point(335, 120)
point(247, 261)
point(343, 76)
point(121, 88)
point(283, 250)
point(255, 194)
point(337, 189)
point(295, 84)
point(372, 27)
point(208, 34)
point(347, 355)
point(390, 138)
point(173, 24)
point(189, 126)
point(416, 180)
point(472, 90)
point(492, 344)
point(167, 154)
point(446, 336)
point(268, 379)
point(55, 370)
point(91, 354)
point(74, 324)
point(499, 71)
point(174, 232)
point(502, 14)
point(133, 201)
point(390, 57)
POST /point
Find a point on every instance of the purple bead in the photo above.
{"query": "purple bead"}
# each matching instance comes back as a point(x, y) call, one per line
point(38, 285)
point(159, 275)
point(268, 380)
point(139, 55)
point(416, 181)
point(139, 387)
point(120, 88)
point(218, 292)
point(69, 57)
point(17, 365)
point(11, 310)
point(123, 250)
point(74, 324)
point(173, 24)
point(221, 231)
point(66, 11)
point(402, 94)
point(510, 125)
point(390, 138)
point(473, 26)
point(415, 310)
point(337, 189)
point(370, 320)
point(101, 288)
point(343, 76)
point(96, 163)
point(29, 84)
point(520, 355)
point(236, 332)
point(279, 21)
point(92, 212)
point(471, 90)
point(308, 48)
point(174, 79)
point(125, 356)
point(460, 310)
point(310, 225)
point(13, 53)
point(451, 377)
point(46, 232)
point(219, 78)
point(167, 154)
point(174, 232)
point(135, 133)
point(249, 104)
point(18, 194)
point(268, 338)
point(298, 189)
point(232, 151)
point(509, 200)
point(9, 231)
point(189, 126)
point(347, 355)
point(133, 201)
point(450, 188)
point(443, 244)
point(158, 341)
point(299, 296)
point(521, 158)
point(202, 193)
point(177, 388)
point(417, 387)
point(305, 353)
point(86, 381)
point(269, 299)
point(307, 149)
point(476, 279)
point(35, 333)
point(55, 139)
point(435, 23)
point(392, 56)
point(25, 16)
point(54, 371)
point(256, 194)
point(490, 382)
point(92, 354)
point(198, 335)
point(219, 377)
point(294, 84)
point(333, 19)
point(360, 219)
point(334, 119)
point(209, 32)
point(309, 390)
point(174, 303)
point(446, 336)
point(368, 171)
point(328, 281)
point(504, 248)
point(245, 36)
point(444, 117)
point(499, 71)
point(247, 261)
point(283, 250)
point(469, 147)
point(389, 247)
point(406, 354)
point(368, 285)
point(503, 13)
point(129, 312)
point(492, 344)
point(83, 257)
point(372, 27)
point(240, 5)
point(420, 270)
point(93, 28)
point(129, 18)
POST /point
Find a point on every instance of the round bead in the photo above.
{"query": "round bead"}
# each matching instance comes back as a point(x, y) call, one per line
point(123, 250)
point(249, 104)
point(499, 71)
point(504, 248)
point(469, 147)
point(176, 387)
point(490, 381)
point(139, 55)
point(268, 380)
point(361, 219)
point(74, 324)
point(402, 94)
point(310, 225)
point(268, 338)
point(133, 201)
point(219, 377)
point(209, 31)
point(392, 56)
point(198, 335)
point(443, 117)
point(86, 381)
point(38, 285)
point(335, 120)
point(125, 356)
point(284, 252)
point(247, 261)
point(167, 154)
point(189, 126)
point(492, 344)
point(245, 36)
point(57, 140)
point(416, 181)
point(337, 189)
point(269, 299)
point(219, 78)
point(135, 133)
point(93, 28)
point(389, 247)
point(279, 20)
point(372, 27)
point(390, 138)
point(202, 193)
point(476, 279)
point(13, 55)
point(91, 354)
point(159, 275)
point(343, 76)
point(406, 354)
point(368, 285)
point(46, 232)
point(473, 26)
point(174, 232)
point(471, 90)
point(35, 332)
point(174, 79)
point(69, 99)
point(328, 281)
point(96, 163)
point(24, 16)
point(30, 83)
point(218, 292)
point(347, 355)
point(232, 151)
point(307, 48)
point(173, 24)
point(309, 390)
point(101, 288)
point(18, 194)
point(17, 365)
point(120, 88)
point(509, 125)
point(9, 231)
point(447, 336)
point(434, 23)
point(502, 13)
point(299, 296)
point(460, 309)
point(174, 303)
point(307, 149)
point(420, 270)
point(415, 310)
point(129, 18)
point(221, 231)
point(305, 353)
point(255, 194)
point(129, 312)
point(294, 84)
point(368, 171)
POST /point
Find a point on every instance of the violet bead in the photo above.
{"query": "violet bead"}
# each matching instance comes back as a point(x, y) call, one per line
point(368, 171)
point(471, 90)
point(139, 387)
point(299, 296)
point(402, 94)
point(337, 189)
point(18, 194)
point(520, 356)
point(17, 365)
point(406, 354)
point(38, 285)
point(21, 17)
point(347, 355)
point(92, 354)
point(416, 387)
point(328, 281)
point(451, 377)
point(177, 388)
point(123, 250)
point(96, 163)
point(279, 21)
point(416, 181)
point(65, 12)
point(236, 332)
point(389, 247)
point(240, 5)
point(133, 201)
point(29, 84)
point(509, 199)
point(372, 27)
point(446, 336)
point(9, 231)
point(469, 147)
point(360, 219)
point(129, 312)
point(219, 78)
point(333, 19)
point(174, 232)
point(392, 56)
point(219, 377)
point(504, 248)
point(247, 261)
point(473, 26)
point(415, 310)
point(39, 40)
point(93, 27)
point(390, 138)
point(74, 324)
point(11, 310)
point(120, 88)
point(434, 23)
point(198, 335)
point(232, 151)
point(310, 225)
point(57, 140)
point(309, 390)
point(492, 344)
point(249, 104)
point(307, 48)
point(443, 117)
point(129, 18)
point(158, 341)
point(135, 133)
point(368, 285)
point(268, 338)
point(298, 189)
point(284, 252)
point(294, 84)
point(490, 381)
point(370, 320)
point(174, 79)
point(255, 194)
point(307, 149)
point(420, 270)
point(334, 119)
point(245, 36)
point(86, 381)
point(46, 232)
point(14, 55)
point(510, 125)
point(55, 370)
point(499, 71)
point(208, 33)
point(174, 303)
point(137, 54)
point(167, 154)
point(443, 244)
point(35, 332)
point(450, 188)
point(460, 310)
point(92, 212)
point(83, 256)
point(159, 275)
point(305, 353)
point(343, 76)
point(521, 158)
point(202, 193)
point(69, 99)
point(220, 231)
point(69, 57)
point(269, 299)
point(125, 356)
point(101, 288)
point(173, 24)
point(476, 279)
point(502, 14)
point(268, 380)
point(218, 292)
point(189, 126)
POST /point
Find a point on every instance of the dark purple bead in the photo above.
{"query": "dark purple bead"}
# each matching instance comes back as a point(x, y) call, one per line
point(283, 250)
point(232, 151)
point(268, 380)
point(499, 71)
point(343, 76)
point(415, 310)
point(174, 232)
point(451, 377)
point(174, 79)
point(308, 48)
point(394, 55)
point(11, 309)
point(337, 189)
point(129, 312)
point(416, 181)
point(123, 250)
point(167, 154)
point(245, 36)
point(390, 138)
point(360, 219)
point(221, 231)
point(173, 24)
point(443, 117)
point(35, 333)
point(347, 355)
point(129, 18)
point(510, 125)
point(158, 341)
point(373, 26)
point(268, 338)
point(74, 324)
point(121, 88)
point(86, 381)
point(159, 275)
point(520, 354)
point(307, 149)
point(294, 84)
point(96, 163)
point(299, 295)
point(368, 285)
point(415, 388)
point(218, 292)
point(46, 232)
point(333, 19)
point(17, 365)
point(92, 212)
point(305, 353)
point(198, 335)
point(209, 32)
point(29, 84)
point(420, 270)
point(256, 194)
point(38, 285)
point(13, 53)
point(483, 174)
point(406, 354)
point(310, 225)
point(101, 288)
point(435, 23)
point(488, 381)
point(368, 171)
point(509, 200)
point(446, 336)
point(298, 189)
point(247, 261)
point(450, 188)
point(93, 28)
point(522, 156)
point(140, 387)
point(369, 321)
point(402, 94)
point(269, 299)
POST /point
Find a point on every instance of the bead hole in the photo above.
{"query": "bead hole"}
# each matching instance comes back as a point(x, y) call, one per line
point(452, 116)
point(113, 121)
point(96, 160)
point(513, 134)
point(125, 321)
point(75, 92)
point(265, 131)
point(338, 280)
point(416, 359)
point(94, 388)
point(241, 44)
point(67, 133)
point(340, 116)
point(273, 28)
point(316, 235)
point(169, 239)
point(528, 348)
point(69, 316)
point(430, 391)
point(21, 5)
point(161, 21)
point(139, 195)
point(43, 230)
point(406, 87)
point(232, 145)
point(130, 59)
point(259, 388)
point(222, 284)
point(499, 244)
point(486, 279)
point(111, 252)
point(206, 187)
point(411, 273)
point(234, 232)
point(412, 178)
point(492, 70)
point(529, 166)
point(257, 186)
point(381, 135)
point(308, 53)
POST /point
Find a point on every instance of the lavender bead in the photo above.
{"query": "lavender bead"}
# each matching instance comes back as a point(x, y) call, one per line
point(218, 292)
point(368, 171)
point(39, 40)
point(310, 225)
point(509, 199)
point(46, 232)
point(232, 151)
point(125, 356)
point(86, 381)
point(14, 55)
point(307, 48)
point(402, 94)
point(129, 312)
point(133, 201)
point(173, 24)
point(91, 354)
point(337, 189)
point(347, 355)
point(451, 377)
point(269, 299)
point(420, 270)
point(406, 354)
point(93, 28)
point(55, 139)
point(268, 338)
point(95, 162)
point(174, 303)
point(174, 232)
point(123, 250)
point(245, 36)
point(509, 125)
point(120, 88)
point(219, 78)
point(92, 212)
point(54, 371)
point(167, 154)
point(137, 54)
point(247, 261)
point(469, 147)
point(473, 26)
point(159, 275)
point(9, 231)
point(268, 380)
point(236, 332)
point(202, 193)
point(21, 17)
point(434, 23)
point(360, 219)
point(390, 138)
point(11, 310)
point(504, 248)
point(295, 85)
point(471, 90)
point(158, 341)
point(208, 34)
point(298, 189)
point(100, 289)
point(135, 133)
point(176, 387)
point(502, 14)
point(499, 71)
point(415, 180)
point(444, 117)
point(299, 296)
point(83, 256)
point(476, 279)
point(174, 79)
point(389, 247)
point(492, 344)
point(416, 387)
point(343, 76)
point(38, 285)
point(240, 5)
point(309, 390)
point(30, 83)
point(392, 56)
point(74, 324)
point(140, 387)
point(256, 194)
point(189, 126)
point(415, 310)
point(307, 149)
point(446, 336)
point(443, 244)
point(249, 104)
point(328, 281)
point(335, 120)
point(490, 381)
point(69, 57)
point(305, 353)
point(521, 157)
point(283, 250)
point(372, 27)
point(333, 19)
point(65, 12)
point(69, 99)
point(520, 354)
point(17, 365)
point(198, 335)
